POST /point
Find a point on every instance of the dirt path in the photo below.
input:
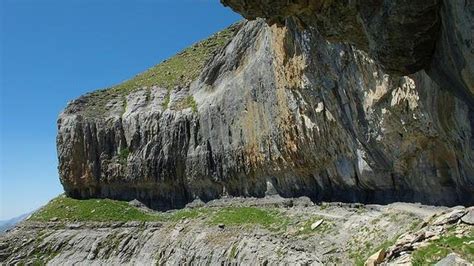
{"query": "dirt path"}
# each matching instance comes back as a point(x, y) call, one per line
point(416, 209)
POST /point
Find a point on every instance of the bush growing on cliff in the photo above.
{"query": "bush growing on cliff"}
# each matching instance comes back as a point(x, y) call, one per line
point(123, 154)
point(188, 102)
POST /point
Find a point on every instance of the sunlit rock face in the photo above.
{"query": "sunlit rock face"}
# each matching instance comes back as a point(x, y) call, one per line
point(404, 36)
point(278, 108)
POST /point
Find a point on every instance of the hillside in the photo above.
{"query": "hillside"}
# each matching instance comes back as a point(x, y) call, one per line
point(273, 230)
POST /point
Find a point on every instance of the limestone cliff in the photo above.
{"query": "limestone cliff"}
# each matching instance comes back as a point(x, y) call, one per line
point(261, 109)
point(404, 36)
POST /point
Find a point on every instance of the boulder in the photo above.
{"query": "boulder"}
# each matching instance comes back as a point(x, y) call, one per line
point(453, 259)
point(449, 217)
point(469, 217)
point(316, 224)
point(376, 258)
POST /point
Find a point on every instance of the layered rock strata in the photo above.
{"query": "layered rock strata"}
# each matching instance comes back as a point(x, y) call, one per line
point(404, 36)
point(274, 110)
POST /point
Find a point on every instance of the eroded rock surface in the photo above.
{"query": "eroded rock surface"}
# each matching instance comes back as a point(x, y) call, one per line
point(277, 110)
point(404, 36)
point(273, 231)
point(345, 234)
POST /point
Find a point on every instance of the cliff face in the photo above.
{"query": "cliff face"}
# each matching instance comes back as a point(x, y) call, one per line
point(274, 110)
point(404, 36)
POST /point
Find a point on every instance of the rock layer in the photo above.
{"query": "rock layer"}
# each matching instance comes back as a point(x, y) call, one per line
point(404, 36)
point(197, 241)
point(276, 110)
point(279, 232)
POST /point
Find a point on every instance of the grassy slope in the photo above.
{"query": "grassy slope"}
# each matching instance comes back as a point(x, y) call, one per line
point(67, 209)
point(64, 209)
point(178, 70)
point(440, 248)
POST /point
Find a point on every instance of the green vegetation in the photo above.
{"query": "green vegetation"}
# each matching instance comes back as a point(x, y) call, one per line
point(123, 155)
point(101, 210)
point(363, 253)
point(166, 101)
point(233, 251)
point(269, 219)
point(179, 70)
point(438, 249)
point(188, 102)
point(42, 257)
point(183, 214)
point(280, 252)
point(305, 227)
point(64, 208)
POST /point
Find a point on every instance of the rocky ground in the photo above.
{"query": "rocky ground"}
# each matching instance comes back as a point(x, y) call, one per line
point(272, 230)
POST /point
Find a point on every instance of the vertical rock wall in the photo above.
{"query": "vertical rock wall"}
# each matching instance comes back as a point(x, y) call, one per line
point(277, 109)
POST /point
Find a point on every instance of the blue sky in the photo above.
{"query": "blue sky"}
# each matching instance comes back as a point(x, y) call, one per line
point(53, 51)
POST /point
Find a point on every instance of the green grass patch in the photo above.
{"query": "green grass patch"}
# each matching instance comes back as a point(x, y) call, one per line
point(100, 210)
point(248, 216)
point(166, 101)
point(123, 155)
point(233, 251)
point(188, 102)
point(438, 249)
point(178, 70)
point(64, 208)
point(305, 227)
point(361, 255)
point(184, 214)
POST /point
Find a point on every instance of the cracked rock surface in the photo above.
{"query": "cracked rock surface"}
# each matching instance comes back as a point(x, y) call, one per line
point(276, 110)
point(280, 233)
point(344, 233)
point(404, 36)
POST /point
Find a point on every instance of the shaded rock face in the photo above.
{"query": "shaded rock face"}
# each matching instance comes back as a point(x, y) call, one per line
point(404, 36)
point(278, 109)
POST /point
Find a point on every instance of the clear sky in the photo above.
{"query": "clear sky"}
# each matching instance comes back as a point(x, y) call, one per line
point(52, 51)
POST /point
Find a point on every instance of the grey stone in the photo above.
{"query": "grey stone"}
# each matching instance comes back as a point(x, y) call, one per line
point(137, 204)
point(316, 224)
point(277, 105)
point(469, 217)
point(450, 217)
point(453, 259)
point(404, 36)
point(74, 226)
